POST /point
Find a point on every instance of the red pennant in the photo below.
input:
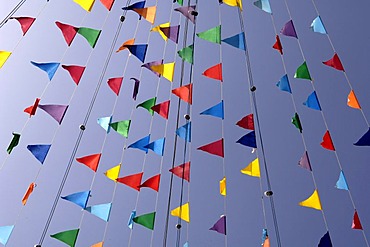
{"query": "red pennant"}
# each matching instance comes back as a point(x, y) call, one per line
point(115, 84)
point(216, 148)
point(334, 62)
point(32, 109)
point(356, 224)
point(152, 182)
point(132, 181)
point(246, 122)
point(91, 161)
point(26, 23)
point(68, 31)
point(162, 109)
point(182, 171)
point(277, 45)
point(107, 3)
point(75, 72)
point(215, 72)
point(327, 142)
point(185, 93)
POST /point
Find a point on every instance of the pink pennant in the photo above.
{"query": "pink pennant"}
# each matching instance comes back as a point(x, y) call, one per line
point(75, 71)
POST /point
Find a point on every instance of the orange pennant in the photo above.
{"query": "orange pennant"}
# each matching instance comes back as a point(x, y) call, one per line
point(185, 93)
point(28, 193)
point(124, 45)
point(91, 161)
point(215, 72)
point(352, 100)
point(148, 13)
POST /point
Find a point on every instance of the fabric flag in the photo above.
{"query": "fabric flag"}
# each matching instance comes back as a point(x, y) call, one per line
point(184, 132)
point(289, 30)
point(85, 4)
point(215, 148)
point(313, 102)
point(265, 238)
point(277, 45)
point(113, 172)
point(327, 142)
point(91, 161)
point(215, 111)
point(266, 243)
point(26, 23)
point(49, 68)
point(108, 4)
point(182, 171)
point(283, 84)
point(28, 193)
point(104, 122)
point(335, 62)
point(187, 54)
point(148, 13)
point(125, 44)
point(32, 109)
point(166, 70)
point(136, 88)
point(312, 202)
point(162, 109)
point(248, 140)
point(100, 244)
point(138, 51)
point(102, 210)
point(342, 182)
point(115, 84)
point(4, 55)
point(356, 223)
point(132, 181)
point(304, 162)
point(253, 169)
point(325, 241)
point(364, 140)
point(263, 5)
point(158, 29)
point(130, 222)
point(171, 32)
point(246, 122)
point(182, 212)
point(55, 111)
point(69, 32)
point(5, 232)
point(186, 244)
point(152, 182)
point(154, 63)
point(296, 122)
point(39, 151)
point(68, 237)
point(236, 41)
point(317, 26)
point(146, 220)
point(181, 2)
point(185, 93)
point(223, 186)
point(234, 3)
point(122, 127)
point(14, 142)
point(91, 35)
point(78, 198)
point(220, 225)
point(212, 35)
point(141, 144)
point(302, 72)
point(352, 100)
point(137, 5)
point(157, 146)
point(214, 72)
point(187, 12)
point(148, 104)
point(75, 71)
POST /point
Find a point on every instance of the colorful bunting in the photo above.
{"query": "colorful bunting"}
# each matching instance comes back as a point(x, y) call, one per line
point(187, 54)
point(152, 182)
point(5, 232)
point(102, 210)
point(4, 55)
point(312, 101)
point(162, 109)
point(136, 88)
point(185, 93)
point(55, 111)
point(352, 100)
point(32, 109)
point(312, 202)
point(214, 72)
point(317, 26)
point(253, 169)
point(68, 237)
point(236, 41)
point(75, 72)
point(148, 13)
point(91, 35)
point(364, 140)
point(187, 12)
point(182, 171)
point(14, 142)
point(223, 186)
point(215, 148)
point(39, 151)
point(296, 122)
point(248, 140)
point(342, 182)
point(166, 70)
point(138, 51)
point(125, 44)
point(325, 241)
point(356, 223)
point(104, 122)
point(327, 142)
point(212, 35)
point(220, 225)
point(304, 162)
point(184, 132)
point(182, 212)
point(28, 193)
point(26, 23)
point(289, 30)
point(283, 84)
point(234, 3)
point(148, 104)
point(91, 161)
point(335, 62)
point(115, 84)
point(171, 32)
point(263, 5)
point(141, 144)
point(157, 146)
point(277, 45)
point(132, 181)
point(130, 222)
point(302, 72)
point(49, 68)
point(154, 63)
point(113, 172)
point(215, 111)
point(146, 220)
point(158, 29)
point(246, 122)
point(78, 198)
point(69, 32)
point(85, 4)
point(122, 127)
point(108, 4)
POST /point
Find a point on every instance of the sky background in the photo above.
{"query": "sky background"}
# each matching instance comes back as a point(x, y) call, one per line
point(21, 83)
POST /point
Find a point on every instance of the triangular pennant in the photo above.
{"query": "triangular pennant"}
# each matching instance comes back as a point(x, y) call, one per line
point(85, 4)
point(313, 102)
point(327, 142)
point(215, 148)
point(14, 142)
point(352, 100)
point(130, 222)
point(302, 72)
point(136, 88)
point(220, 225)
point(264, 236)
point(132, 181)
point(141, 144)
point(182, 212)
point(104, 122)
point(55, 111)
point(312, 202)
point(212, 35)
point(356, 223)
point(186, 244)
point(4, 55)
point(162, 109)
point(317, 26)
point(39, 151)
point(138, 51)
point(187, 54)
point(91, 161)
point(113, 173)
point(5, 232)
point(49, 68)
point(253, 169)
point(166, 70)
point(266, 243)
point(75, 71)
point(100, 244)
point(28, 193)
point(263, 5)
point(148, 104)
point(296, 122)
point(187, 12)
point(223, 186)
point(91, 35)
point(184, 132)
point(157, 146)
point(26, 23)
point(32, 109)
point(182, 171)
point(185, 93)
point(125, 44)
point(108, 4)
point(236, 41)
point(137, 5)
point(158, 29)
point(215, 111)
point(102, 210)
point(68, 237)
point(325, 241)
point(304, 162)
point(171, 32)
point(148, 13)
point(289, 30)
point(122, 127)
point(248, 140)
point(246, 122)
point(334, 62)
point(78, 198)
point(234, 3)
point(364, 140)
point(146, 220)
point(277, 45)
point(152, 182)
point(115, 84)
point(214, 72)
point(283, 84)
point(181, 2)
point(150, 64)
point(342, 182)
point(69, 32)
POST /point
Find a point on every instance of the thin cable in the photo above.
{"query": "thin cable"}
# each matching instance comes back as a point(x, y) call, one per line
point(11, 13)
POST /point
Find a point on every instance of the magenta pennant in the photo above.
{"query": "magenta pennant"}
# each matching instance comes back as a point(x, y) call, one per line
point(75, 71)
point(56, 111)
point(115, 84)
point(304, 162)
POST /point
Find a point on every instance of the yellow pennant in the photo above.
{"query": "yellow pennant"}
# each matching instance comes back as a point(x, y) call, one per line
point(4, 55)
point(312, 202)
point(158, 29)
point(113, 173)
point(223, 186)
point(184, 212)
point(253, 169)
point(234, 3)
point(85, 4)
point(166, 70)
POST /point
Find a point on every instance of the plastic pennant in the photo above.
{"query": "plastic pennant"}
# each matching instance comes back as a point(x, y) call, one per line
point(4, 55)
point(327, 143)
point(215, 111)
point(158, 29)
point(253, 169)
point(263, 5)
point(185, 93)
point(91, 161)
point(78, 198)
point(182, 171)
point(31, 110)
point(148, 104)
point(125, 44)
point(146, 220)
point(55, 111)
point(215, 148)
point(104, 122)
point(130, 222)
point(68, 237)
point(335, 62)
point(75, 72)
point(313, 102)
point(25, 22)
point(69, 32)
point(166, 70)
point(342, 182)
point(100, 244)
point(325, 241)
point(152, 182)
point(107, 4)
point(115, 84)
point(101, 211)
point(364, 140)
point(302, 72)
point(157, 146)
point(318, 26)
point(136, 88)
point(154, 63)
point(277, 45)
point(352, 100)
point(283, 84)
point(171, 32)
point(248, 140)
point(212, 35)
point(14, 142)
point(91, 35)
point(296, 122)
point(133, 181)
point(187, 12)
point(304, 162)
point(183, 212)
point(85, 4)
point(28, 193)
point(138, 51)
point(236, 41)
point(356, 223)
point(220, 225)
point(148, 13)
point(234, 3)
point(246, 122)
point(5, 232)
point(223, 186)
point(39, 151)
point(184, 132)
point(289, 30)
point(162, 109)
point(122, 127)
point(214, 72)
point(141, 144)
point(113, 173)
point(312, 202)
point(49, 68)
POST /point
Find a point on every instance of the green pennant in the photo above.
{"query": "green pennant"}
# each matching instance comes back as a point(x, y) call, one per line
point(14, 142)
point(69, 237)
point(297, 122)
point(122, 127)
point(302, 72)
point(146, 220)
point(187, 54)
point(181, 2)
point(91, 35)
point(211, 35)
point(148, 105)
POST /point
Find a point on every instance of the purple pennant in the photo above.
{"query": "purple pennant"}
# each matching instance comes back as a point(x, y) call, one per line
point(186, 11)
point(171, 32)
point(56, 111)
point(304, 162)
point(289, 30)
point(150, 64)
point(136, 87)
point(220, 225)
